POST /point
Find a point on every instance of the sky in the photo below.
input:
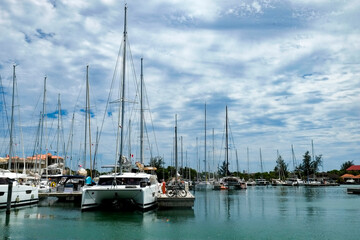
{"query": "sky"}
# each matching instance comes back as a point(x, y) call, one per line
point(288, 71)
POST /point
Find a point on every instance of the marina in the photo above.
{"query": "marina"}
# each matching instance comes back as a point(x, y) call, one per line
point(256, 213)
point(96, 151)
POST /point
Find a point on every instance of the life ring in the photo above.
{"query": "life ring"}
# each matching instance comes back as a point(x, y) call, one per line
point(53, 184)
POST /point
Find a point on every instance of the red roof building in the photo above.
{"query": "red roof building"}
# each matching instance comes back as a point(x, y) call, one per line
point(354, 168)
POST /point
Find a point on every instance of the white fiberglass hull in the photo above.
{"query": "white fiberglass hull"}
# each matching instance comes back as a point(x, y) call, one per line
point(22, 195)
point(103, 196)
point(204, 186)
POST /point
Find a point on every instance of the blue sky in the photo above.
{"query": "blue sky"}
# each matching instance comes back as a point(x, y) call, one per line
point(287, 70)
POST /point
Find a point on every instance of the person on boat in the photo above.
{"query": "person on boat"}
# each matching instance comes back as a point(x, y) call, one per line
point(89, 181)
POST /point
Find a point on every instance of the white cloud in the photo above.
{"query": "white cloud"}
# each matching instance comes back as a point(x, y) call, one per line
point(287, 70)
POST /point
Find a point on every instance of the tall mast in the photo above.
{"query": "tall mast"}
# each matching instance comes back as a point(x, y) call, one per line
point(123, 94)
point(205, 142)
point(248, 163)
point(213, 150)
point(42, 128)
point(182, 159)
point(237, 162)
point(226, 143)
point(88, 116)
point(12, 120)
point(261, 163)
point(176, 152)
point(197, 159)
point(86, 110)
point(58, 132)
point(141, 116)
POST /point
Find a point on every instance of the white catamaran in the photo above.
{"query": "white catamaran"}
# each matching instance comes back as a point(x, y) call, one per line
point(139, 189)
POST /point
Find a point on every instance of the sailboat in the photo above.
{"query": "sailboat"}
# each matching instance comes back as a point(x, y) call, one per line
point(294, 180)
point(121, 189)
point(229, 182)
point(261, 181)
point(20, 195)
point(204, 185)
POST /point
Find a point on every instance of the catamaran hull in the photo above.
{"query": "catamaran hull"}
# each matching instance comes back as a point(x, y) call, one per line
point(22, 195)
point(142, 198)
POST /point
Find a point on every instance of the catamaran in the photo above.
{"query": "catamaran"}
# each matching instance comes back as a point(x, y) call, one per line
point(138, 189)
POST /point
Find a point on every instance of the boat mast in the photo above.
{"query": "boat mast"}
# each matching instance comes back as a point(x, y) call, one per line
point(12, 120)
point(176, 152)
point(226, 144)
point(58, 132)
point(88, 114)
point(261, 163)
point(205, 143)
point(213, 150)
point(123, 94)
point(237, 162)
point(248, 163)
point(42, 130)
point(141, 116)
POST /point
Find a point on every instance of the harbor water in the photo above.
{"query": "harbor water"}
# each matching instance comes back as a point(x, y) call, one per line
point(255, 213)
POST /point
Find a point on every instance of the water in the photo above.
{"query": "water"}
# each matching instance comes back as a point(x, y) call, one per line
point(255, 213)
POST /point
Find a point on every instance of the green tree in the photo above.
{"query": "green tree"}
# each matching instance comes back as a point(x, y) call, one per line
point(309, 167)
point(346, 165)
point(281, 167)
point(157, 162)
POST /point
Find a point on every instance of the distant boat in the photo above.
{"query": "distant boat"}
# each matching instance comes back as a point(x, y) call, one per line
point(229, 182)
point(261, 181)
point(121, 189)
point(204, 185)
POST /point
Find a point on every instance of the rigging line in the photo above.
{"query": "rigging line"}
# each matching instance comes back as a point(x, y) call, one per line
point(147, 136)
point(109, 97)
point(21, 132)
point(7, 130)
point(152, 123)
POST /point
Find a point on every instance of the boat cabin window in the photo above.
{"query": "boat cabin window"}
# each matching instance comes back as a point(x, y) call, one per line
point(122, 181)
point(4, 181)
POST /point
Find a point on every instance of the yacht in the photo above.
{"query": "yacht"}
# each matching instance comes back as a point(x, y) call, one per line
point(203, 186)
point(22, 195)
point(230, 182)
point(118, 190)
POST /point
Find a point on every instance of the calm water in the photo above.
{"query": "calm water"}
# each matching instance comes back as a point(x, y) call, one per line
point(255, 213)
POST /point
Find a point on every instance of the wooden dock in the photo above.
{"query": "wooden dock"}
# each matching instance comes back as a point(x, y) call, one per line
point(176, 202)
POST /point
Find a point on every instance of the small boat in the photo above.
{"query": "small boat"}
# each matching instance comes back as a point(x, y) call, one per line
point(261, 182)
point(277, 182)
point(294, 182)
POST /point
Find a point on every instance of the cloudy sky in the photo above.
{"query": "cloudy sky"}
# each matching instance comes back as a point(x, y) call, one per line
point(287, 70)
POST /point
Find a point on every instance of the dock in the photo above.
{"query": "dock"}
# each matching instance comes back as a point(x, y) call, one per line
point(175, 202)
point(353, 190)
